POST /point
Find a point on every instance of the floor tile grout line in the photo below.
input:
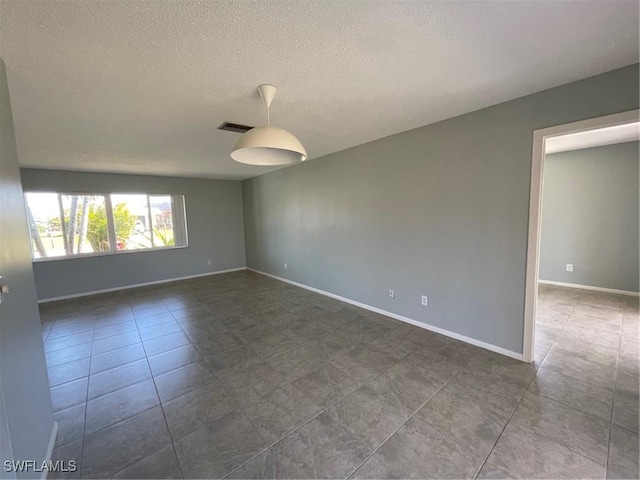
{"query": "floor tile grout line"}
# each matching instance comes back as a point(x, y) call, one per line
point(141, 343)
point(244, 415)
point(124, 419)
point(633, 432)
point(408, 419)
point(135, 343)
point(295, 429)
point(579, 453)
point(128, 322)
point(69, 346)
point(164, 416)
point(611, 365)
point(206, 362)
point(212, 371)
point(127, 386)
point(613, 406)
point(574, 378)
point(505, 425)
point(121, 365)
point(573, 408)
point(50, 338)
point(541, 366)
point(334, 404)
point(68, 381)
point(593, 361)
point(537, 368)
point(270, 445)
point(86, 407)
point(89, 375)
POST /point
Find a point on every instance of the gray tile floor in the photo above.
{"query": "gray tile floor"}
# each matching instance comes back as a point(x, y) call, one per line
point(242, 376)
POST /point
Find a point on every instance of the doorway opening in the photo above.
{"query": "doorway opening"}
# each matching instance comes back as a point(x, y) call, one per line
point(546, 141)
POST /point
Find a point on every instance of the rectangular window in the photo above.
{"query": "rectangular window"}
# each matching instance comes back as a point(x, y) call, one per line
point(63, 225)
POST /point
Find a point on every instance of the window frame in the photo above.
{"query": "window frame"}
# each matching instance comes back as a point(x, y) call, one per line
point(113, 250)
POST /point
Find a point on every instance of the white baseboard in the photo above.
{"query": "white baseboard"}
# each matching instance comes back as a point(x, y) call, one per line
point(52, 444)
point(426, 326)
point(135, 285)
point(588, 287)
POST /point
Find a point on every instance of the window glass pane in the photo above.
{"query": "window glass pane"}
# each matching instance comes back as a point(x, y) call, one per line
point(162, 220)
point(131, 221)
point(45, 227)
point(63, 224)
point(85, 221)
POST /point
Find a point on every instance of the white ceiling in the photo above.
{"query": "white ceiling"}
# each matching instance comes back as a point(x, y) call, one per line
point(629, 132)
point(141, 86)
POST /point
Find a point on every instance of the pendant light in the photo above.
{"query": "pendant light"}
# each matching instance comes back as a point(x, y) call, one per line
point(268, 146)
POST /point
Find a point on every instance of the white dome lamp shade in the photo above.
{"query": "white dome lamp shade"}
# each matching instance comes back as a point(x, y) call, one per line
point(268, 146)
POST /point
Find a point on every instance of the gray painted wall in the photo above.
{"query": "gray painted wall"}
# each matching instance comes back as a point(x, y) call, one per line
point(590, 217)
point(6, 449)
point(26, 404)
point(440, 211)
point(214, 224)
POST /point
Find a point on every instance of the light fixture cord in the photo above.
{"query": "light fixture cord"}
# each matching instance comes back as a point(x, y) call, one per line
point(268, 118)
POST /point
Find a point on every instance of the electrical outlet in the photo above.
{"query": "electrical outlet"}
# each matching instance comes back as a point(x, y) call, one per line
point(392, 294)
point(285, 265)
point(209, 262)
point(569, 267)
point(425, 300)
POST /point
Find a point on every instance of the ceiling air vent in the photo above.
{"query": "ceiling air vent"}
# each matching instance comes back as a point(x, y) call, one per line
point(234, 127)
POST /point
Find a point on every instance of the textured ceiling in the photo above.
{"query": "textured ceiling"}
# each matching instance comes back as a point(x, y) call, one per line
point(629, 132)
point(141, 86)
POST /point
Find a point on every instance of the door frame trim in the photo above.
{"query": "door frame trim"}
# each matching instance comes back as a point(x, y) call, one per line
point(535, 211)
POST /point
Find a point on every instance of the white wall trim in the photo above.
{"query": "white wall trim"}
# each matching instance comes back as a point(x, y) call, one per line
point(52, 443)
point(135, 285)
point(535, 211)
point(426, 326)
point(589, 287)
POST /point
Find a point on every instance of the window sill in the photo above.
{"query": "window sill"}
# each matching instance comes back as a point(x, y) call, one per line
point(105, 254)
